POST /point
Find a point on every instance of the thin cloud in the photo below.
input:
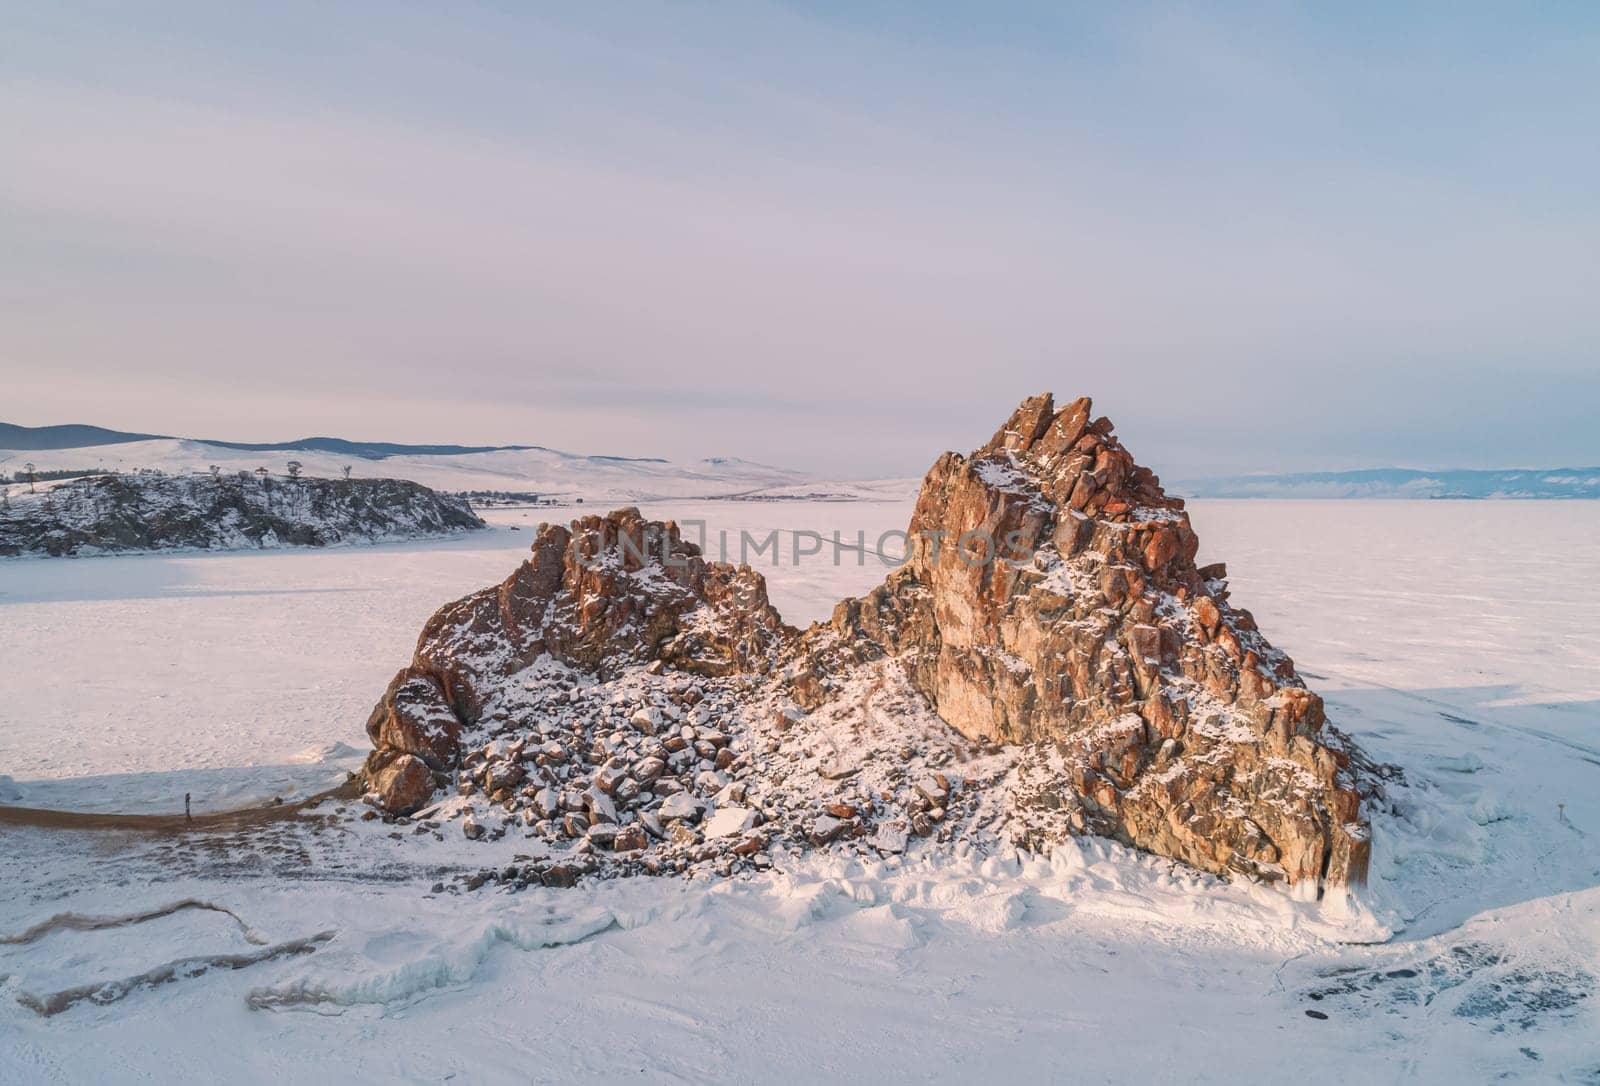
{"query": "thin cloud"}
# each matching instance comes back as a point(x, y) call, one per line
point(835, 249)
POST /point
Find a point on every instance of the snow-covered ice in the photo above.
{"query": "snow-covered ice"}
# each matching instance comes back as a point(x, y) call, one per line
point(1455, 639)
point(132, 680)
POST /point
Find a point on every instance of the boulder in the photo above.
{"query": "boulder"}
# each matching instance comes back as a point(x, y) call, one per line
point(681, 806)
point(403, 782)
point(630, 839)
point(727, 821)
point(414, 716)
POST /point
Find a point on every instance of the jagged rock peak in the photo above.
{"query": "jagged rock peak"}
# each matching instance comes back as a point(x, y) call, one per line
point(1052, 600)
point(606, 592)
point(1078, 461)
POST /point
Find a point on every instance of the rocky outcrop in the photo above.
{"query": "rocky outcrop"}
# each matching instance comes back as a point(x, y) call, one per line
point(150, 511)
point(601, 595)
point(1049, 661)
point(1051, 599)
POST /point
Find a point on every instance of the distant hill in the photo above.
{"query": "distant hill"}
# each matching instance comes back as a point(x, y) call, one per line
point(531, 471)
point(70, 436)
point(117, 514)
point(365, 450)
point(382, 450)
point(78, 436)
point(1402, 483)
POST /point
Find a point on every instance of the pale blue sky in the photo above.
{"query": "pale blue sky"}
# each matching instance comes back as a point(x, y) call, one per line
point(837, 237)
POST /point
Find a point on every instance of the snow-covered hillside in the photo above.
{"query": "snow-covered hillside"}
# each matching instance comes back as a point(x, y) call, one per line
point(110, 514)
point(563, 477)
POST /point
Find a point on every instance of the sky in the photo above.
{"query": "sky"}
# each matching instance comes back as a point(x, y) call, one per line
point(835, 237)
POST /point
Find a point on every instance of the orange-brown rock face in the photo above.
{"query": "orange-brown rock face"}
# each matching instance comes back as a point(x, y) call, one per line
point(1050, 612)
point(1051, 599)
point(403, 780)
point(606, 592)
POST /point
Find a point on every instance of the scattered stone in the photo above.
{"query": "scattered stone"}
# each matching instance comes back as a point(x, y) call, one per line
point(826, 828)
point(680, 807)
point(726, 821)
point(890, 837)
point(934, 788)
point(563, 875)
point(599, 805)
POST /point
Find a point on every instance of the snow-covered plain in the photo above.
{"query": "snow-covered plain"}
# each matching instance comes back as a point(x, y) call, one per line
point(1456, 639)
point(550, 473)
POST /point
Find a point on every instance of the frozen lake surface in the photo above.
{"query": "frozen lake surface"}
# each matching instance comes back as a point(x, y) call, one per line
point(1457, 639)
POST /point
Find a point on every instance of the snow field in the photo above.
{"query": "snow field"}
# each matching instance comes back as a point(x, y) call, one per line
point(1455, 639)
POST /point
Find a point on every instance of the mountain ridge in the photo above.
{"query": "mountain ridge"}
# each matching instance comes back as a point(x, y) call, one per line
point(70, 435)
point(1393, 483)
point(83, 435)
